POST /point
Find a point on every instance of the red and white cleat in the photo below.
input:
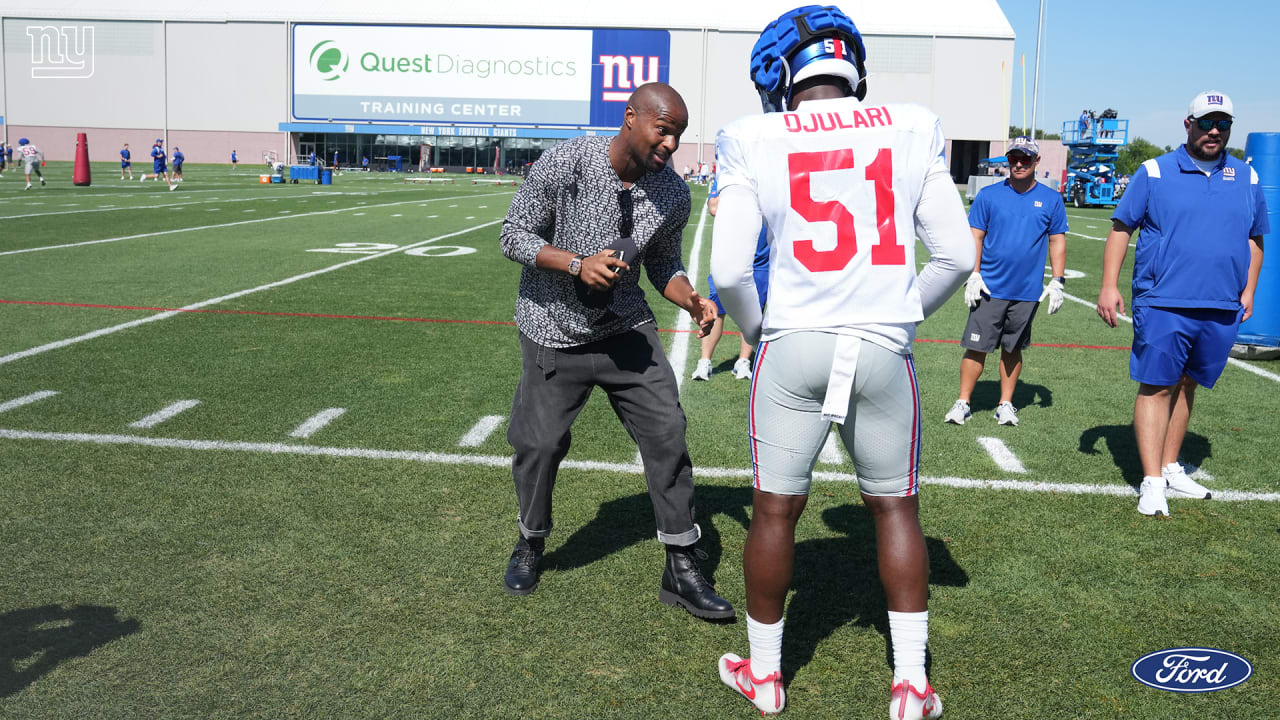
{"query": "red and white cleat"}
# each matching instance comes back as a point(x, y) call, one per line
point(765, 693)
point(908, 703)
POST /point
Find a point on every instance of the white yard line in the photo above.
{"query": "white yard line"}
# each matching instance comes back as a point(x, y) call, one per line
point(26, 400)
point(1002, 455)
point(1230, 361)
point(504, 461)
point(232, 224)
point(160, 416)
point(213, 301)
point(481, 431)
point(314, 423)
point(831, 454)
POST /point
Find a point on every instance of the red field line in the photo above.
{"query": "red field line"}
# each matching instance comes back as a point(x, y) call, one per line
point(332, 316)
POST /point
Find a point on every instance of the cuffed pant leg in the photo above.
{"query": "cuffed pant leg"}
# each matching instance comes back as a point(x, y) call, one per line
point(552, 391)
point(642, 390)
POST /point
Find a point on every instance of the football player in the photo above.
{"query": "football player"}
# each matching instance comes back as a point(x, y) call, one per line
point(844, 186)
point(159, 168)
point(32, 159)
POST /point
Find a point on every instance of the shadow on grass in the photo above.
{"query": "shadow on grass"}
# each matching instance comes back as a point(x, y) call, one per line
point(837, 581)
point(626, 521)
point(37, 639)
point(1123, 446)
point(986, 395)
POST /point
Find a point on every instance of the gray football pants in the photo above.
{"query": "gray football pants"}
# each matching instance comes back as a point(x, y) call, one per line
point(554, 386)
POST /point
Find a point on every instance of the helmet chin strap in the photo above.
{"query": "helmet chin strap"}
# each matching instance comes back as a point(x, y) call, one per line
point(777, 100)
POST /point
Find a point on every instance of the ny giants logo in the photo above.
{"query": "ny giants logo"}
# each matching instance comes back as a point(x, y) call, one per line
point(626, 72)
point(1213, 99)
point(65, 52)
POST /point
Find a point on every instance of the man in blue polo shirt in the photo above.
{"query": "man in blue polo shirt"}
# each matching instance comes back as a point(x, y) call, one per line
point(1202, 217)
point(178, 159)
point(1014, 223)
point(760, 269)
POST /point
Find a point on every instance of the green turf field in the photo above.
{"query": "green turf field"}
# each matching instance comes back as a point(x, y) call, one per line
point(253, 464)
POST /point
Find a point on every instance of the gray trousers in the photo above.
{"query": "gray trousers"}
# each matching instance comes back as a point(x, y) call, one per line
point(554, 386)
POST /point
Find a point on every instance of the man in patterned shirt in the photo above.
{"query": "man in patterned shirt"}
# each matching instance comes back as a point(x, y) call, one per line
point(593, 210)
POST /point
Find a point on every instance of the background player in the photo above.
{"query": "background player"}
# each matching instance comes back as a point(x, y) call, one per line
point(178, 159)
point(126, 164)
point(32, 159)
point(841, 186)
point(741, 367)
point(158, 166)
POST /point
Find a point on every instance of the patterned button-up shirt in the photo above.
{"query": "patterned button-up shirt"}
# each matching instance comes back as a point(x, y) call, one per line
point(575, 201)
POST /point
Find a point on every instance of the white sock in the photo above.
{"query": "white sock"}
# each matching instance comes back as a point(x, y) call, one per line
point(766, 646)
point(1155, 478)
point(909, 632)
point(1171, 468)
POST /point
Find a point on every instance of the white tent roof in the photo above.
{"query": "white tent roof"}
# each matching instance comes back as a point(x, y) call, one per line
point(946, 18)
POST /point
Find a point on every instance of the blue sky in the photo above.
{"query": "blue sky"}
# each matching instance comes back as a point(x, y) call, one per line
point(1147, 59)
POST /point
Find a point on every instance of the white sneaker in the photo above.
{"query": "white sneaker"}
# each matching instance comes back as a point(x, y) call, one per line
point(702, 371)
point(28, 187)
point(958, 413)
point(1151, 500)
point(173, 187)
point(42, 182)
point(144, 179)
point(765, 693)
point(908, 703)
point(1182, 486)
point(742, 369)
point(1006, 414)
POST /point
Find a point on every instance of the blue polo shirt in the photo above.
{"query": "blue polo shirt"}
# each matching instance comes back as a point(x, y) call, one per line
point(178, 159)
point(1193, 245)
point(1018, 226)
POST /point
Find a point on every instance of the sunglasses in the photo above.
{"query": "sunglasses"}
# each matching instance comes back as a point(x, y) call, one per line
point(1206, 124)
point(1020, 159)
point(626, 221)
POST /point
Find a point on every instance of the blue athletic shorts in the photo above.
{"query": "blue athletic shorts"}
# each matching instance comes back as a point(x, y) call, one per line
point(762, 289)
point(1171, 342)
point(124, 164)
point(157, 167)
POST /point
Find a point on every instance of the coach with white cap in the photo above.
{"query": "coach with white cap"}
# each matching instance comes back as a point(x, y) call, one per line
point(1195, 269)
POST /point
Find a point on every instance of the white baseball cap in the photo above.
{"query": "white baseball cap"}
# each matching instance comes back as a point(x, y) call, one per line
point(1210, 101)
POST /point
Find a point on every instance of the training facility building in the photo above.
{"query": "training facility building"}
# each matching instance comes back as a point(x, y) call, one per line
point(413, 85)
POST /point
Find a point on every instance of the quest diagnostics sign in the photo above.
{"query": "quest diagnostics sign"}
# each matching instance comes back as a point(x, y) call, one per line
point(471, 75)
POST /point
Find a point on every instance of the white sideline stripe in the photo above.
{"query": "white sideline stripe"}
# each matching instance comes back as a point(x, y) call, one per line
point(1002, 455)
point(316, 422)
point(232, 224)
point(831, 454)
point(679, 354)
point(26, 400)
point(213, 301)
point(118, 208)
point(160, 416)
point(1230, 361)
point(481, 431)
point(504, 461)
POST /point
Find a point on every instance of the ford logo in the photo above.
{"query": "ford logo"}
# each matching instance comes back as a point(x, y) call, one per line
point(1191, 670)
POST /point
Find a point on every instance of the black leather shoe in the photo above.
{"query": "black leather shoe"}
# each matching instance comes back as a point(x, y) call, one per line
point(522, 569)
point(684, 586)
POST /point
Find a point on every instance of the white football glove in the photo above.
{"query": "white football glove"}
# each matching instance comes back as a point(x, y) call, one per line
point(974, 288)
point(1053, 291)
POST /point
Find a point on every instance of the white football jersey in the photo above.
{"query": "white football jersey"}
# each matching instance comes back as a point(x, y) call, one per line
point(838, 182)
point(29, 151)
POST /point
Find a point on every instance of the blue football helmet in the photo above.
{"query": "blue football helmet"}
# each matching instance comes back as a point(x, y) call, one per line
point(802, 37)
point(23, 141)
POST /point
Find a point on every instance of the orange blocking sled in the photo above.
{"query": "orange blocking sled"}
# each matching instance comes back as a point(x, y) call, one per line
point(264, 179)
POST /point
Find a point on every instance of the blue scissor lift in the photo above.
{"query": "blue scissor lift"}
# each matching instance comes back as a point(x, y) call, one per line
point(1091, 161)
